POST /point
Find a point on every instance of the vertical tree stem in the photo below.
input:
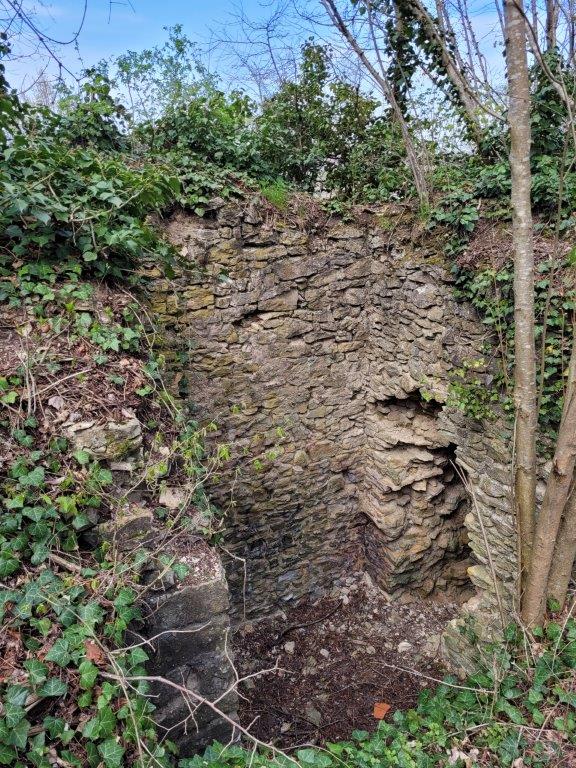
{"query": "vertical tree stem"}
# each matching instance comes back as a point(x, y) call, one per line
point(525, 394)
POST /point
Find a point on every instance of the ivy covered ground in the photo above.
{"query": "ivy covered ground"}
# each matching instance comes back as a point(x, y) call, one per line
point(80, 185)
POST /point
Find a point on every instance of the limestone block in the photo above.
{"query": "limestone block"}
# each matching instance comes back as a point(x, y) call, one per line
point(189, 626)
point(281, 302)
point(109, 441)
point(131, 528)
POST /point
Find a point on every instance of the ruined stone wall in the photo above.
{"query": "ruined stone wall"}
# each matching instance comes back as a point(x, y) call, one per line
point(190, 624)
point(334, 346)
point(412, 491)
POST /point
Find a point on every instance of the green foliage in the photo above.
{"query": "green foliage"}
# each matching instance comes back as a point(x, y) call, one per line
point(55, 295)
point(276, 192)
point(208, 144)
point(467, 180)
point(490, 291)
point(90, 117)
point(162, 79)
point(10, 106)
point(61, 625)
point(67, 607)
point(470, 392)
point(58, 203)
point(77, 187)
point(315, 131)
point(320, 130)
point(73, 206)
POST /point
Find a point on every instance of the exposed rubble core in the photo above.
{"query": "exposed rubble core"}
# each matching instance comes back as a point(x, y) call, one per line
point(416, 500)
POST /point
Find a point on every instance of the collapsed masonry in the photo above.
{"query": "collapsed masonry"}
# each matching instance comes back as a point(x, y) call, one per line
point(325, 357)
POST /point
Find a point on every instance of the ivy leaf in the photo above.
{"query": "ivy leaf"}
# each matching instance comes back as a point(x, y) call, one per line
point(106, 721)
point(111, 752)
point(138, 656)
point(81, 521)
point(67, 504)
point(59, 653)
point(17, 502)
point(313, 757)
point(13, 714)
point(53, 687)
point(17, 695)
point(34, 478)
point(7, 755)
point(42, 625)
point(84, 699)
point(511, 711)
point(181, 570)
point(90, 614)
point(88, 674)
point(19, 734)
point(37, 672)
point(42, 216)
point(125, 597)
point(82, 457)
point(8, 564)
point(91, 729)
point(67, 734)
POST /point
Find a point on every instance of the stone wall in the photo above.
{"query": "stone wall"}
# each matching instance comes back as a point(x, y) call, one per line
point(334, 345)
point(190, 625)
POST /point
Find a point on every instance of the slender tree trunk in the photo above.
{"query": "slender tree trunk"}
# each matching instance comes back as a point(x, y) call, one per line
point(557, 492)
point(469, 100)
point(565, 553)
point(552, 12)
point(525, 394)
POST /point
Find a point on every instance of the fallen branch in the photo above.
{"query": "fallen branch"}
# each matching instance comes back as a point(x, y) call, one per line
point(201, 701)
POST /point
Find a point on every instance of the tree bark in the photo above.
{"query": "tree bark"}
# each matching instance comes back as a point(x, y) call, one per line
point(525, 392)
point(565, 553)
point(557, 491)
point(467, 96)
point(552, 12)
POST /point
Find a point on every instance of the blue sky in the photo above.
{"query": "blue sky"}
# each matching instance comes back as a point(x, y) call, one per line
point(114, 27)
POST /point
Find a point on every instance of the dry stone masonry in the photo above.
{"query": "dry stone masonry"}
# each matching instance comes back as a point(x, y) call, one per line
point(414, 496)
point(324, 356)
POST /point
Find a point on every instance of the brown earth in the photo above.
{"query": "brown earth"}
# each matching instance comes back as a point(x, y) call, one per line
point(335, 660)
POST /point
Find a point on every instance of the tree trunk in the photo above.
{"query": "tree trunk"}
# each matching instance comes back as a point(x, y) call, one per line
point(552, 12)
point(557, 492)
point(525, 394)
point(565, 553)
point(414, 161)
point(469, 100)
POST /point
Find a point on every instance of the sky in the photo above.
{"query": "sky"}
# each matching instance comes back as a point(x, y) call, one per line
point(112, 27)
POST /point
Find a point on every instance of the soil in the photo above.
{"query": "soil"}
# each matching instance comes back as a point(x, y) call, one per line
point(332, 661)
